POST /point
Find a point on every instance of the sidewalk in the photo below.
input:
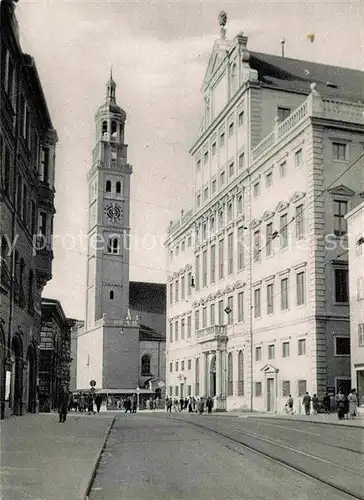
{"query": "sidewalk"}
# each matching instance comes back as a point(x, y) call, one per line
point(44, 460)
point(321, 418)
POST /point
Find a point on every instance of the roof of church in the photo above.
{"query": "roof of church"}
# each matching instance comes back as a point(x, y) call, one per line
point(147, 297)
point(295, 75)
point(147, 333)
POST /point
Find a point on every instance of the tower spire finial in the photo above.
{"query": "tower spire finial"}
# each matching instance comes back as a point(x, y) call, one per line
point(111, 72)
point(110, 88)
point(222, 22)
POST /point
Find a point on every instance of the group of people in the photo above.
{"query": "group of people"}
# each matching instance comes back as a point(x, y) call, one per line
point(346, 405)
point(83, 402)
point(191, 404)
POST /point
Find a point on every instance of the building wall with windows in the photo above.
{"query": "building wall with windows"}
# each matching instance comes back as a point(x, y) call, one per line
point(268, 312)
point(27, 155)
point(355, 221)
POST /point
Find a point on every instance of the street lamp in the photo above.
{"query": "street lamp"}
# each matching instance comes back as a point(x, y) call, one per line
point(138, 392)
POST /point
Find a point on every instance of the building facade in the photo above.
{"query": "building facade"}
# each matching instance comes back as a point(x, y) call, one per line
point(123, 336)
point(258, 304)
point(55, 354)
point(27, 153)
point(355, 220)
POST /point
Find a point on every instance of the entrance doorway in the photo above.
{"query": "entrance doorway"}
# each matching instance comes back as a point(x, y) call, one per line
point(213, 377)
point(270, 394)
point(17, 376)
point(32, 379)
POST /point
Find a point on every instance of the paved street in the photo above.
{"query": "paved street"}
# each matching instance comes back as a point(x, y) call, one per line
point(170, 457)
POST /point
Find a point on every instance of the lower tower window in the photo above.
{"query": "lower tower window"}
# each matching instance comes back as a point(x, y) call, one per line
point(111, 294)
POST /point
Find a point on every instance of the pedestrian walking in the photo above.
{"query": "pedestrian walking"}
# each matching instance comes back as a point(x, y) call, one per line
point(90, 404)
point(169, 405)
point(346, 407)
point(63, 402)
point(128, 405)
point(290, 404)
point(134, 404)
point(315, 404)
point(353, 403)
point(209, 404)
point(307, 403)
point(327, 403)
point(190, 405)
point(340, 403)
point(82, 402)
point(98, 401)
point(201, 406)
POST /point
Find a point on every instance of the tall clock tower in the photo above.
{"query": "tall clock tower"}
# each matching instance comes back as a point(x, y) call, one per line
point(109, 216)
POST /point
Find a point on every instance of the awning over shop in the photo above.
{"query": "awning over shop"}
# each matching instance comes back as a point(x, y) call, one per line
point(110, 392)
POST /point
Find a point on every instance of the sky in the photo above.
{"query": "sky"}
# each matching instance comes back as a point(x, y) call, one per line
point(159, 51)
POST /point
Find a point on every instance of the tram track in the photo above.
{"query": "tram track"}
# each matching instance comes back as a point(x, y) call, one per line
point(337, 476)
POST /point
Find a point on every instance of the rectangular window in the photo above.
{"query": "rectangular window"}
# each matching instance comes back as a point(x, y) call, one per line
point(222, 179)
point(205, 194)
point(189, 281)
point(340, 210)
point(176, 391)
point(44, 165)
point(176, 331)
point(189, 241)
point(283, 113)
point(197, 273)
point(339, 151)
point(301, 347)
point(197, 320)
point(231, 129)
point(42, 221)
point(269, 179)
point(221, 312)
point(230, 212)
point(268, 237)
point(171, 390)
point(7, 171)
point(213, 148)
point(342, 346)
point(302, 387)
point(240, 248)
point(171, 332)
point(222, 139)
point(256, 189)
point(231, 169)
point(230, 254)
point(212, 226)
point(212, 314)
point(198, 165)
point(341, 286)
point(258, 389)
point(205, 157)
point(239, 205)
point(258, 354)
point(283, 169)
point(221, 220)
point(230, 311)
point(241, 161)
point(286, 388)
point(360, 288)
point(270, 298)
point(182, 329)
point(285, 349)
point(361, 334)
point(300, 288)
point(213, 186)
point(283, 233)
point(198, 200)
point(189, 390)
point(298, 158)
point(189, 327)
point(176, 298)
point(241, 118)
point(284, 294)
point(241, 306)
point(221, 259)
point(257, 246)
point(271, 351)
point(204, 317)
point(212, 263)
point(182, 288)
point(189, 364)
point(300, 233)
point(257, 303)
point(182, 366)
point(204, 268)
point(170, 367)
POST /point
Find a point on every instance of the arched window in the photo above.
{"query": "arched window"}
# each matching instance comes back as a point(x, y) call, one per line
point(111, 294)
point(104, 128)
point(5, 274)
point(197, 377)
point(241, 373)
point(118, 187)
point(233, 79)
point(108, 186)
point(145, 365)
point(114, 130)
point(230, 390)
point(21, 283)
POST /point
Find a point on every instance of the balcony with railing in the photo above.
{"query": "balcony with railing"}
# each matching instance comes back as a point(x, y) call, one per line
point(174, 225)
point(213, 332)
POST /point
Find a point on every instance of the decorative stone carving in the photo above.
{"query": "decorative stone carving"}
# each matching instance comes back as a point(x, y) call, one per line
point(282, 205)
point(255, 223)
point(267, 215)
point(341, 190)
point(297, 196)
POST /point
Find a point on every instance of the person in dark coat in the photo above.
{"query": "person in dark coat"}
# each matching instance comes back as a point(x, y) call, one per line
point(90, 404)
point(98, 401)
point(307, 403)
point(63, 402)
point(134, 404)
point(327, 403)
point(127, 405)
point(340, 403)
point(209, 404)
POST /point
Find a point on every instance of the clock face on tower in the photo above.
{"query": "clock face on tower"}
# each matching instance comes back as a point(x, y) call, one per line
point(113, 212)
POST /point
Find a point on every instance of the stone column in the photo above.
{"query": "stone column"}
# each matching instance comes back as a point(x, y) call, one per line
point(218, 373)
point(206, 374)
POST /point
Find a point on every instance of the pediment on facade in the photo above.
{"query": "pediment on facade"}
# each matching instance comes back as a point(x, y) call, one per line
point(269, 369)
point(188, 267)
point(180, 376)
point(255, 223)
point(219, 293)
point(195, 304)
point(181, 271)
point(229, 289)
point(282, 205)
point(267, 215)
point(238, 284)
point(211, 296)
point(175, 275)
point(202, 301)
point(218, 54)
point(341, 190)
point(297, 196)
point(170, 278)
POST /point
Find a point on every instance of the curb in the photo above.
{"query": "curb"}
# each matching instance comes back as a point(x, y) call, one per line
point(308, 421)
point(97, 461)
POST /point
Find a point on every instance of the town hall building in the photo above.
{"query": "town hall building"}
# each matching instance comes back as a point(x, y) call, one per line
point(121, 345)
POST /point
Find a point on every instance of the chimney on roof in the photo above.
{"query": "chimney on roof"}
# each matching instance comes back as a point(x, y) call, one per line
point(283, 41)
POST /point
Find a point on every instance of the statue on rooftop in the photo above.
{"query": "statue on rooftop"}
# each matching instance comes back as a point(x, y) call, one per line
point(222, 22)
